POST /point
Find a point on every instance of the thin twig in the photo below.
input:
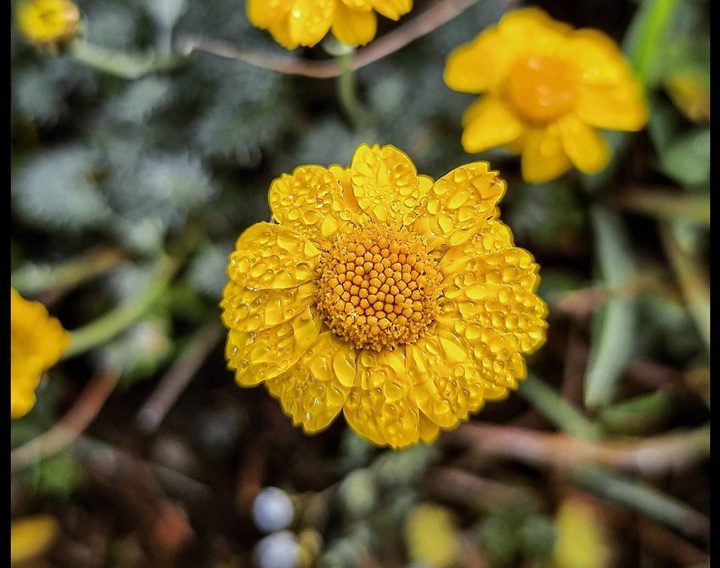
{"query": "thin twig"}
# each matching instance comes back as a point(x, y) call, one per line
point(67, 429)
point(647, 456)
point(420, 25)
point(177, 378)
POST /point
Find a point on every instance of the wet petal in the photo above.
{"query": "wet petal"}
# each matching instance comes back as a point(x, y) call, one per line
point(585, 146)
point(381, 406)
point(270, 256)
point(488, 123)
point(353, 27)
point(310, 201)
point(447, 385)
point(543, 155)
point(267, 352)
point(262, 13)
point(492, 237)
point(385, 183)
point(392, 9)
point(496, 293)
point(458, 205)
point(314, 390)
point(310, 20)
point(249, 309)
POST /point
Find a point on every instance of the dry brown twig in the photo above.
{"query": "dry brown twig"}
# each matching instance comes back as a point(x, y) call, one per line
point(70, 426)
point(416, 27)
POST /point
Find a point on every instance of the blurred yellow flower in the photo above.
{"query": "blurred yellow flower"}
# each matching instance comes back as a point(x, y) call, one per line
point(432, 538)
point(400, 300)
point(547, 89)
point(296, 23)
point(48, 22)
point(582, 541)
point(37, 341)
point(31, 538)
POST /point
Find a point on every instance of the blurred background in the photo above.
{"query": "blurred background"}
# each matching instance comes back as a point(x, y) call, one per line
point(139, 154)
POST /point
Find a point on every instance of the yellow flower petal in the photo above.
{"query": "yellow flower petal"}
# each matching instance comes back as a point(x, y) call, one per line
point(380, 406)
point(488, 122)
point(543, 155)
point(310, 20)
point(532, 30)
point(262, 13)
point(31, 537)
point(621, 107)
point(37, 341)
point(311, 202)
point(250, 309)
point(480, 65)
point(587, 149)
point(447, 385)
point(392, 9)
point(269, 256)
point(493, 236)
point(314, 390)
point(267, 352)
point(385, 183)
point(458, 204)
point(353, 27)
point(597, 57)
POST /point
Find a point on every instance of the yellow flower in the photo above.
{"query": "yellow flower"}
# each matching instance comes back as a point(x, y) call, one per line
point(37, 341)
point(397, 299)
point(305, 22)
point(48, 23)
point(547, 89)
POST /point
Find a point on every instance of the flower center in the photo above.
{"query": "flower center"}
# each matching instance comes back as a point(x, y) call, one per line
point(540, 88)
point(378, 287)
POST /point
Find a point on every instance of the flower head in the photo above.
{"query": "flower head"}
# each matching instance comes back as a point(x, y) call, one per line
point(547, 89)
point(48, 23)
point(37, 341)
point(399, 300)
point(296, 23)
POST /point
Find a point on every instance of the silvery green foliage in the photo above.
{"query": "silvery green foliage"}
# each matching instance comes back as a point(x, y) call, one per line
point(402, 467)
point(241, 122)
point(141, 99)
point(207, 271)
point(165, 186)
point(111, 24)
point(36, 97)
point(166, 12)
point(58, 190)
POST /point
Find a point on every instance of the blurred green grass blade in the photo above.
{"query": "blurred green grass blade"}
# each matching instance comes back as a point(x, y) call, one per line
point(614, 329)
point(694, 280)
point(643, 40)
point(667, 205)
point(558, 410)
point(637, 415)
point(644, 499)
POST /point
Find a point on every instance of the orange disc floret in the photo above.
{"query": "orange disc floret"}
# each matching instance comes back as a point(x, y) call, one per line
point(378, 287)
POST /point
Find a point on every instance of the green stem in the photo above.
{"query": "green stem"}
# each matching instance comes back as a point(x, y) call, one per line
point(347, 92)
point(558, 410)
point(128, 66)
point(111, 324)
point(35, 279)
point(643, 499)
